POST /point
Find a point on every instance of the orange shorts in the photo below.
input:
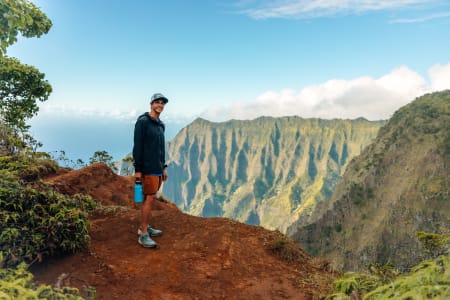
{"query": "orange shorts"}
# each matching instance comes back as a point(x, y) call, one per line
point(151, 184)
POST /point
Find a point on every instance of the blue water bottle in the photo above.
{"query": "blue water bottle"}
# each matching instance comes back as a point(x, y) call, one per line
point(138, 191)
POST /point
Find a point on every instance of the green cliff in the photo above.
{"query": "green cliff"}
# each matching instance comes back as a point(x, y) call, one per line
point(267, 171)
point(398, 186)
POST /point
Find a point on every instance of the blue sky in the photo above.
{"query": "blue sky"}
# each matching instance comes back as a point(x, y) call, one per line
point(229, 59)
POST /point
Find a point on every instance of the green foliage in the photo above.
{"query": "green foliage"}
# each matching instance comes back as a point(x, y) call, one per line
point(421, 113)
point(37, 221)
point(360, 194)
point(285, 248)
point(29, 168)
point(428, 280)
point(385, 273)
point(127, 166)
point(10, 141)
point(435, 244)
point(61, 157)
point(17, 283)
point(108, 210)
point(352, 283)
point(20, 16)
point(21, 87)
point(36, 171)
point(103, 156)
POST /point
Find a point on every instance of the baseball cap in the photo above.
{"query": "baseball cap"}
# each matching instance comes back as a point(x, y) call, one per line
point(158, 96)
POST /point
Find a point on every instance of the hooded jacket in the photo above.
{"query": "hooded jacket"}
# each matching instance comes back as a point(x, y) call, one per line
point(149, 145)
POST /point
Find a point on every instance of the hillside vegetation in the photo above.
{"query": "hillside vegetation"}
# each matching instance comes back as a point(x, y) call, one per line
point(268, 171)
point(430, 279)
point(398, 186)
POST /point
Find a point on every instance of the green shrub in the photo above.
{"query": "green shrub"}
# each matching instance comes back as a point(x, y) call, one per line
point(434, 244)
point(428, 280)
point(385, 273)
point(285, 248)
point(29, 168)
point(355, 283)
point(17, 283)
point(34, 222)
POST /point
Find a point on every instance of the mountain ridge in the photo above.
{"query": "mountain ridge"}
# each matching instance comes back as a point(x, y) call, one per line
point(399, 185)
point(267, 171)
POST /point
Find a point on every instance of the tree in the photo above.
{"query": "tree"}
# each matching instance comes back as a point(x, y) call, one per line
point(20, 16)
point(103, 156)
point(62, 159)
point(127, 165)
point(21, 86)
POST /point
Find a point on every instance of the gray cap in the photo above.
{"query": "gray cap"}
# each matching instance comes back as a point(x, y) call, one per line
point(159, 96)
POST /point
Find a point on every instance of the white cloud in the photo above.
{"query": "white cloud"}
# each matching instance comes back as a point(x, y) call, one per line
point(423, 18)
point(440, 77)
point(48, 108)
point(318, 8)
point(372, 98)
point(368, 97)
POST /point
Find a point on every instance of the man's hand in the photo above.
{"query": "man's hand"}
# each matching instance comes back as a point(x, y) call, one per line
point(164, 175)
point(138, 175)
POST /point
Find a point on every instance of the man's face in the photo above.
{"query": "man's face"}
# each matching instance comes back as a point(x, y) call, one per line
point(157, 106)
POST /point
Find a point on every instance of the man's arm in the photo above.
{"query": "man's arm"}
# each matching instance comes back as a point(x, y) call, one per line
point(164, 175)
point(138, 148)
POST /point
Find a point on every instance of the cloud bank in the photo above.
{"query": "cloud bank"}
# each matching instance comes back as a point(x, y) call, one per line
point(81, 131)
point(65, 111)
point(307, 9)
point(371, 98)
point(74, 112)
point(368, 97)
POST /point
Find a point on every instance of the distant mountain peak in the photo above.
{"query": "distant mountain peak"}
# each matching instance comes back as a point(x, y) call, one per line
point(267, 171)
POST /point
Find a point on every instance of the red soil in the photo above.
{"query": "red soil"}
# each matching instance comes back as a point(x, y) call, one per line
point(196, 258)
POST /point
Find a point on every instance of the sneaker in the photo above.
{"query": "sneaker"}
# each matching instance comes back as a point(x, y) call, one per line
point(151, 231)
point(146, 241)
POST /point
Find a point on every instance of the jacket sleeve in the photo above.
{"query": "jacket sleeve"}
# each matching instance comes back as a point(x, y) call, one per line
point(163, 161)
point(138, 147)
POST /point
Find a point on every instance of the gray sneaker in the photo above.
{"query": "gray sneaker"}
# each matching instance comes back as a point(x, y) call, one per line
point(146, 241)
point(151, 231)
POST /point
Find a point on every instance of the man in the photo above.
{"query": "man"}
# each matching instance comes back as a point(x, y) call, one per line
point(149, 163)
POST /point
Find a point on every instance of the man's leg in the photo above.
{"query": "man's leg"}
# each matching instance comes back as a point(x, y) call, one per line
point(151, 186)
point(145, 212)
point(144, 237)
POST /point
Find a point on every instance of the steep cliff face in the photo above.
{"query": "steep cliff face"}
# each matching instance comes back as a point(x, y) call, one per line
point(268, 171)
point(399, 185)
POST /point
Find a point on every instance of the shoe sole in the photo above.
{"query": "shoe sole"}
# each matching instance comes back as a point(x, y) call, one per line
point(153, 246)
point(140, 232)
